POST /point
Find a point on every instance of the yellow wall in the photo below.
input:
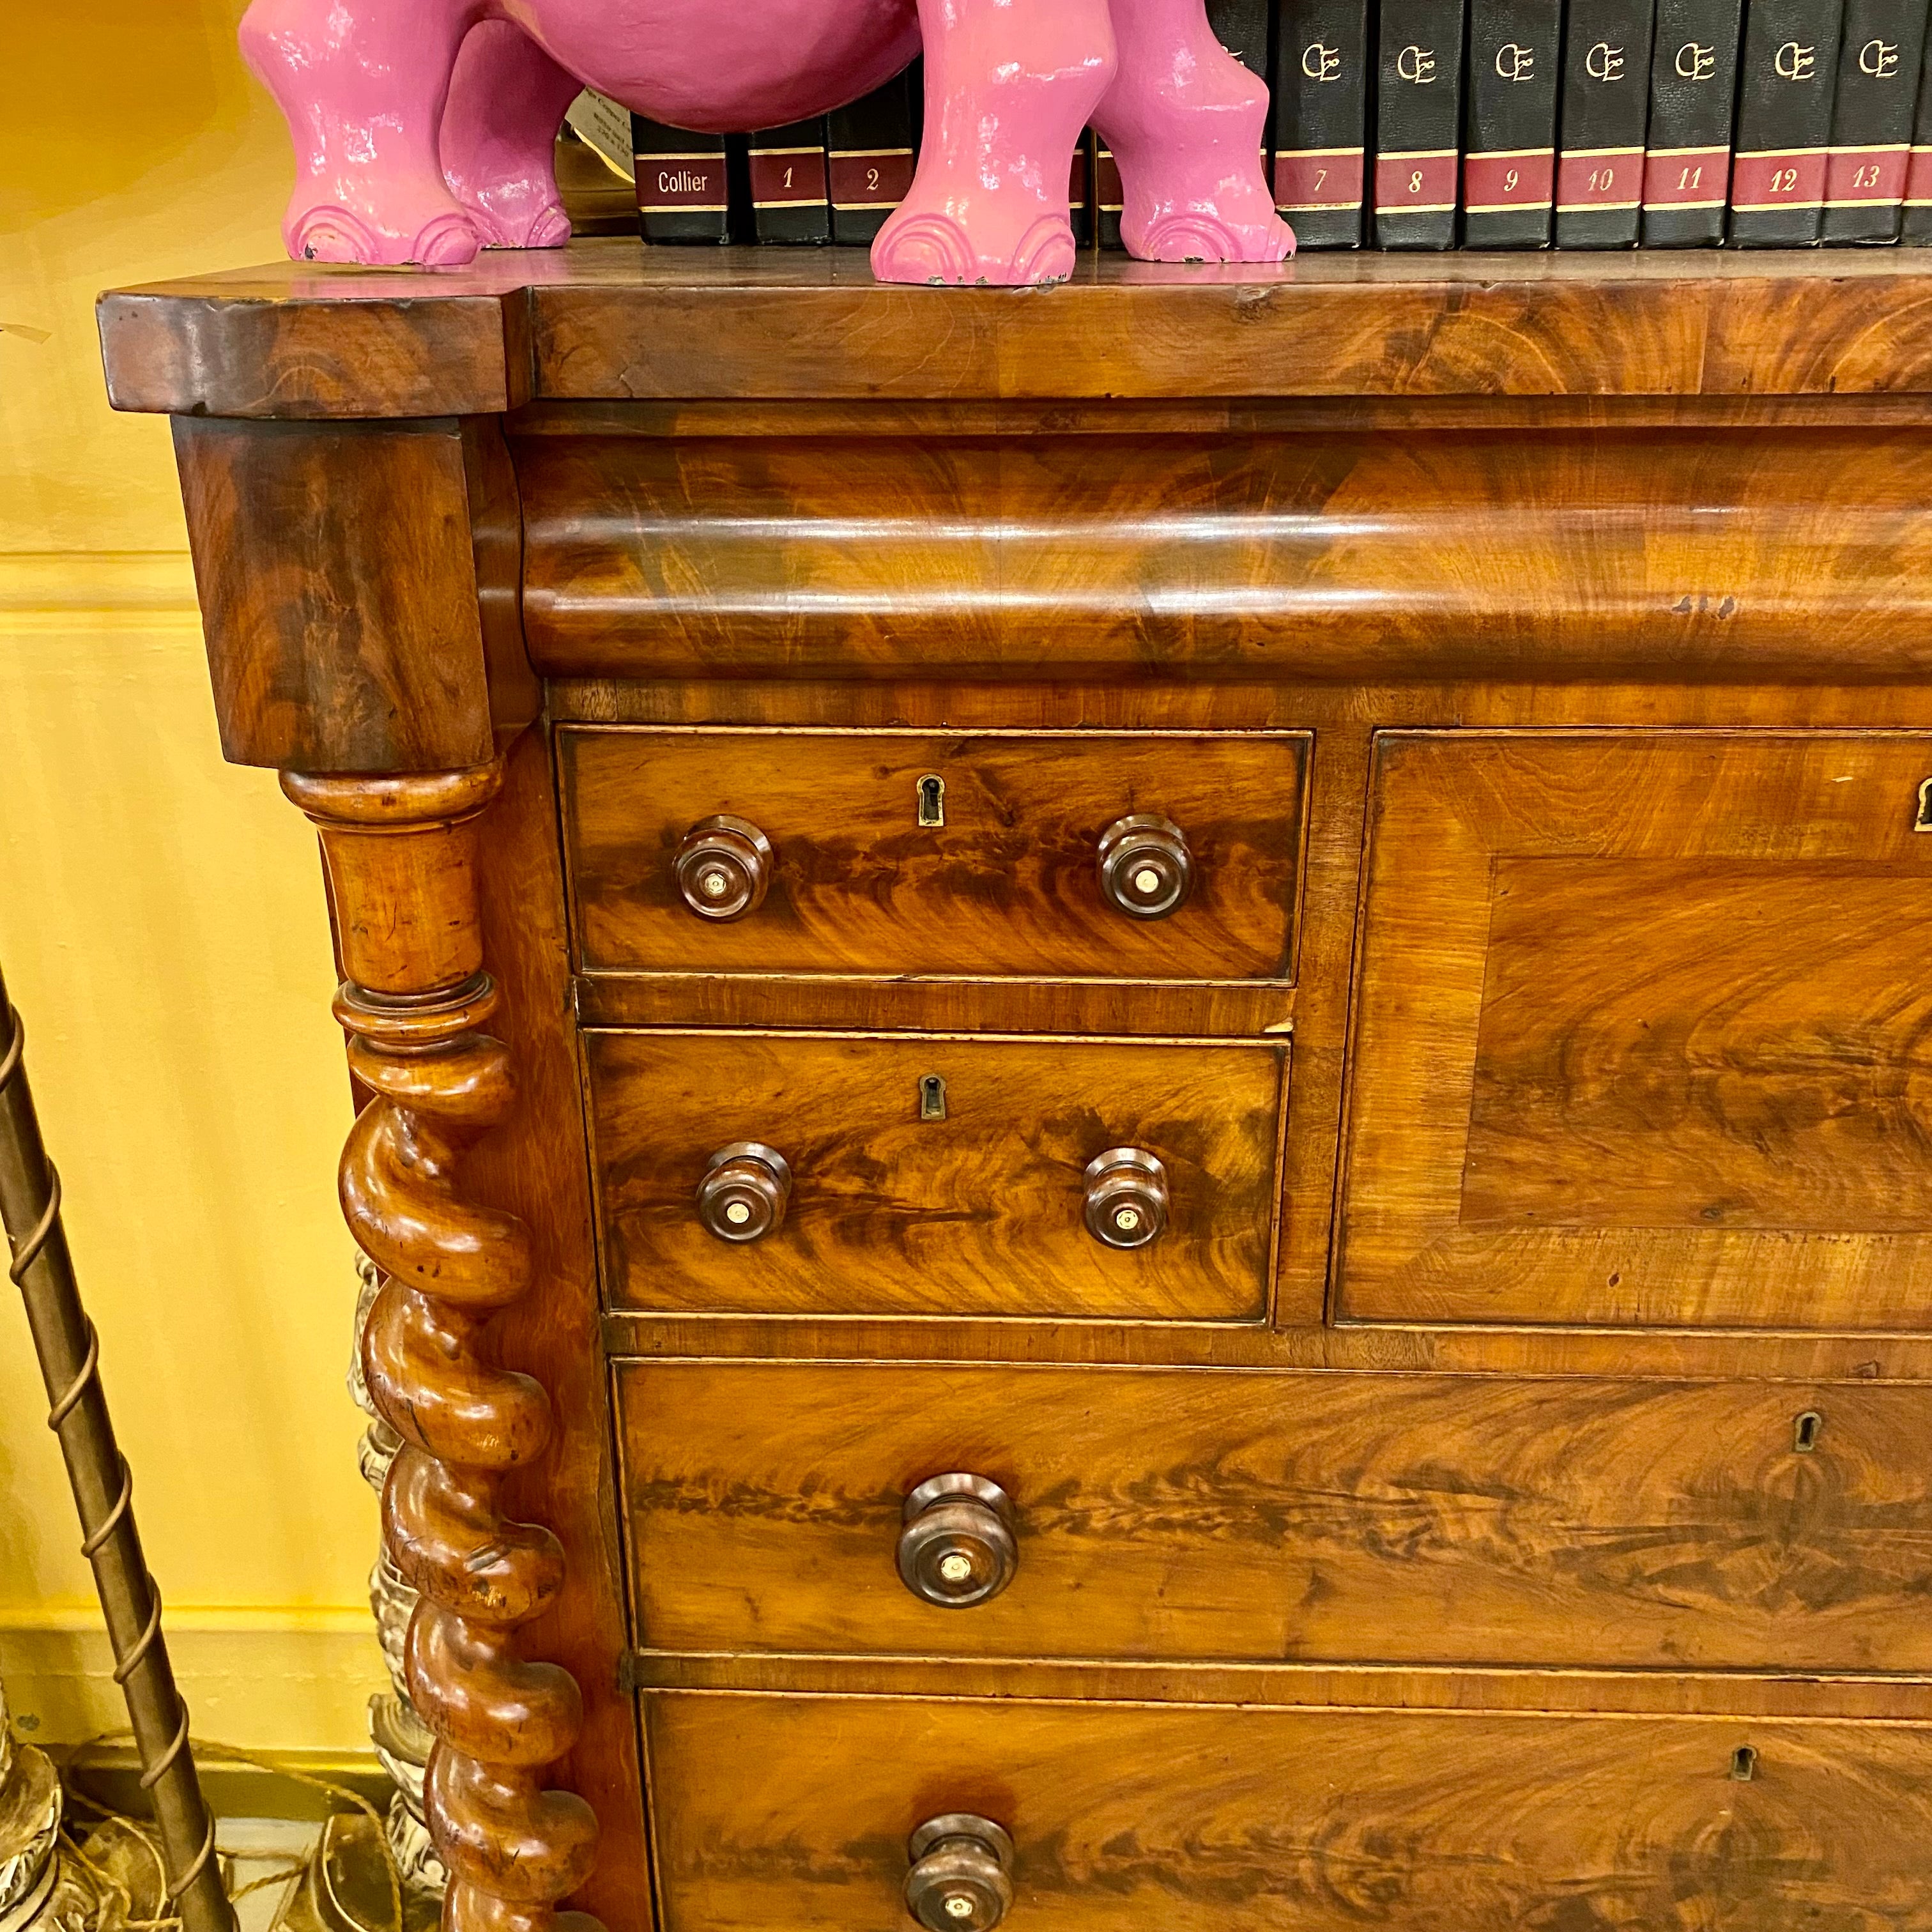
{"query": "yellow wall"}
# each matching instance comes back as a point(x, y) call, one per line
point(162, 930)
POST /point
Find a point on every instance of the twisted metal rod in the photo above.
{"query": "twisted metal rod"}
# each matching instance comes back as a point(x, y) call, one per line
point(103, 1492)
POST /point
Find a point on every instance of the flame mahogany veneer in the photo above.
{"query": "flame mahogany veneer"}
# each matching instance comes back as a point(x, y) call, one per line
point(1457, 1288)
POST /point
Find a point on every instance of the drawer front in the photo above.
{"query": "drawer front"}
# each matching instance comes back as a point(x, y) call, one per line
point(795, 1813)
point(1009, 883)
point(1378, 1518)
point(939, 1176)
point(1644, 1033)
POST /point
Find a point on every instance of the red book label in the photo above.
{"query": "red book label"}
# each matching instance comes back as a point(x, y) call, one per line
point(1791, 178)
point(1919, 176)
point(1612, 178)
point(668, 182)
point(1319, 178)
point(876, 177)
point(1522, 180)
point(1076, 187)
point(787, 177)
point(1864, 176)
point(1416, 183)
point(1113, 196)
point(1686, 177)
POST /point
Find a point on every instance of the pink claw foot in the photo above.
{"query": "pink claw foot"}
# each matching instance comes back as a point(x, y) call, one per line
point(927, 246)
point(1184, 119)
point(324, 232)
point(1009, 84)
point(498, 138)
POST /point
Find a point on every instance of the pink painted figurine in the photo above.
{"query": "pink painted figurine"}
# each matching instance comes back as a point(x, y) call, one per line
point(423, 128)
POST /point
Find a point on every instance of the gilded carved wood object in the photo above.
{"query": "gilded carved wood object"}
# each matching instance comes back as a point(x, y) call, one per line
point(415, 1001)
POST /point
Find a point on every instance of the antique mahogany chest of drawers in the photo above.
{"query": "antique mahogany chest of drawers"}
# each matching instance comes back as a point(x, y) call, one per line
point(1148, 1068)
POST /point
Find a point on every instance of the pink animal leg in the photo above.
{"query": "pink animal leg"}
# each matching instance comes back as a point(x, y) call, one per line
point(361, 84)
point(1009, 84)
point(507, 98)
point(1184, 120)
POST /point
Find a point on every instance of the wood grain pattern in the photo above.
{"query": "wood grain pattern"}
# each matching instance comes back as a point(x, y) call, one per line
point(603, 319)
point(978, 1214)
point(1638, 1038)
point(793, 1813)
point(357, 593)
point(1340, 554)
point(1340, 1519)
point(1009, 884)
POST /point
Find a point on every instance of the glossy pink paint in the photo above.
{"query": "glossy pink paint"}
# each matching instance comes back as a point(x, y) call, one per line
point(423, 129)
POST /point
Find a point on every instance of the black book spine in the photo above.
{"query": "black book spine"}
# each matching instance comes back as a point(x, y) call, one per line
point(1321, 117)
point(1687, 164)
point(1509, 159)
point(1418, 122)
point(1916, 226)
point(1108, 198)
point(683, 192)
point(1606, 114)
point(1080, 190)
point(790, 197)
point(1786, 83)
point(1878, 62)
point(1241, 26)
point(869, 161)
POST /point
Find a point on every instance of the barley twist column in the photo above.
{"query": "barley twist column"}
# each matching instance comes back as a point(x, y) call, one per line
point(401, 852)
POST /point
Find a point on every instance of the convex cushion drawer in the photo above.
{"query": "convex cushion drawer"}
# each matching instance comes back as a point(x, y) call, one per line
point(795, 1813)
point(1145, 855)
point(1309, 1515)
point(817, 1174)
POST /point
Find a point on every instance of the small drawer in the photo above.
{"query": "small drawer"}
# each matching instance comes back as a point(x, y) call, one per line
point(1132, 855)
point(777, 1814)
point(1172, 1515)
point(831, 1175)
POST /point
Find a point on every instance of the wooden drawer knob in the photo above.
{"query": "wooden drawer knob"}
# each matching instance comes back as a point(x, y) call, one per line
point(1127, 1198)
point(959, 1879)
point(724, 867)
point(1146, 870)
point(957, 1547)
point(743, 1194)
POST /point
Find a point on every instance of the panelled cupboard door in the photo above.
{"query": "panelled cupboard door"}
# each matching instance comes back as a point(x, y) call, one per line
point(902, 852)
point(1176, 1515)
point(792, 1815)
point(1643, 1032)
point(941, 1175)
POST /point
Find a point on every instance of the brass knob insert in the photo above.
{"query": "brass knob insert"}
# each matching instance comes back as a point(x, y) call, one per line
point(743, 1194)
point(957, 1547)
point(1127, 1198)
point(960, 1878)
point(1146, 870)
point(724, 869)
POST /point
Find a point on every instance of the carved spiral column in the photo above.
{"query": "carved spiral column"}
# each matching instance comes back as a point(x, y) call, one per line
point(401, 852)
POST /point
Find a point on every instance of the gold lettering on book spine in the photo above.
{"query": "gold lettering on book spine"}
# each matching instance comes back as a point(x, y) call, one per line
point(415, 1002)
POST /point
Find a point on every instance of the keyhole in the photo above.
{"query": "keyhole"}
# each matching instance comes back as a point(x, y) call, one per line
point(932, 800)
point(932, 1098)
point(1804, 1436)
point(1744, 1764)
point(1923, 822)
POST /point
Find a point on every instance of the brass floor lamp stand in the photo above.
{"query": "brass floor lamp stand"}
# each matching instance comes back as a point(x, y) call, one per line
point(70, 1354)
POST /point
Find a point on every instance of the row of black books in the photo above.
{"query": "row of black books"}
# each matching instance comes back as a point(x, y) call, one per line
point(1602, 124)
point(1439, 124)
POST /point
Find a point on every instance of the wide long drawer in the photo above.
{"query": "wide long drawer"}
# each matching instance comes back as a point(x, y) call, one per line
point(1371, 1518)
point(796, 1812)
point(840, 1174)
